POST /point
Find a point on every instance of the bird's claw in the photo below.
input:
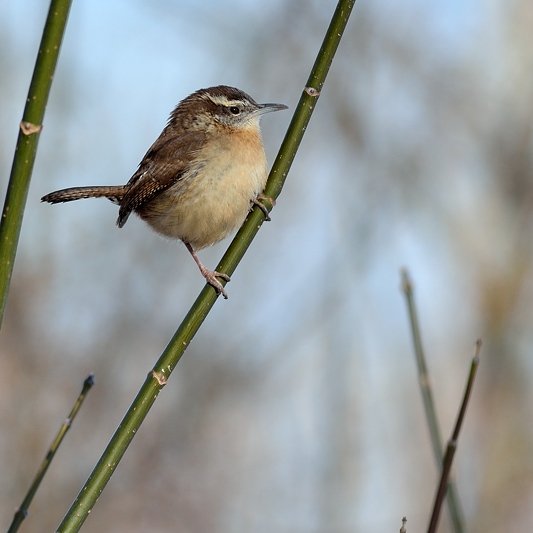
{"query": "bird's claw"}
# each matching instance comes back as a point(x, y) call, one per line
point(258, 203)
point(211, 278)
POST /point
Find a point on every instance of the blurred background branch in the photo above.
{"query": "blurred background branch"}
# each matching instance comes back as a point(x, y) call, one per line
point(424, 381)
point(23, 509)
point(445, 486)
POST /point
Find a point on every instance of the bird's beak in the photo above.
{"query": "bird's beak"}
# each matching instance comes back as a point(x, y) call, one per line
point(268, 108)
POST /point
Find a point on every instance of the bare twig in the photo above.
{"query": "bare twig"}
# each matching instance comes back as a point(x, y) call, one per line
point(22, 511)
point(452, 443)
point(427, 397)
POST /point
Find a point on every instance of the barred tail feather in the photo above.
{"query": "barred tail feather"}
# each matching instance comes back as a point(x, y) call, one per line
point(115, 193)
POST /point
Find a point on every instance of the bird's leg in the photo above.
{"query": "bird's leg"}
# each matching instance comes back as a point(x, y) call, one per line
point(209, 275)
point(256, 201)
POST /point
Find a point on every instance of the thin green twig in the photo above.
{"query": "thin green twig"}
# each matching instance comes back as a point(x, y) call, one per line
point(158, 376)
point(30, 127)
point(452, 444)
point(22, 511)
point(427, 397)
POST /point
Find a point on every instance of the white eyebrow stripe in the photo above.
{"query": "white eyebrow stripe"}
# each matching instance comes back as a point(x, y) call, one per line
point(222, 100)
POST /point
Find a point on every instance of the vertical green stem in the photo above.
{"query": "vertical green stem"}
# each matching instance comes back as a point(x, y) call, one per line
point(429, 405)
point(30, 127)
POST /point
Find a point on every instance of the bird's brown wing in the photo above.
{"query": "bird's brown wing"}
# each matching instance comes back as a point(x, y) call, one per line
point(165, 163)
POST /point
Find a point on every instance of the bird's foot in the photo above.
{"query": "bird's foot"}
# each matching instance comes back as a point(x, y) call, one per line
point(211, 278)
point(258, 203)
point(210, 275)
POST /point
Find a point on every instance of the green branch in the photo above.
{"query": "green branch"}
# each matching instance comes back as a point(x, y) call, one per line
point(452, 444)
point(429, 405)
point(22, 511)
point(158, 377)
point(30, 127)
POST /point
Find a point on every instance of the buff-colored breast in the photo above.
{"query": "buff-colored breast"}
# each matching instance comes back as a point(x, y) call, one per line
point(214, 196)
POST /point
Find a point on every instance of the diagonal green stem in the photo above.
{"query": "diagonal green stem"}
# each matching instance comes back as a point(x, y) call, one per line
point(429, 405)
point(30, 127)
point(158, 377)
point(22, 511)
point(452, 444)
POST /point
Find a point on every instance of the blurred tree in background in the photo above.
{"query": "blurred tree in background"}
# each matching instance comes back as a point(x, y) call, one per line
point(296, 409)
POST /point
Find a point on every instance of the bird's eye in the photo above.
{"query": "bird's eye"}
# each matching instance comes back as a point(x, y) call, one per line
point(234, 110)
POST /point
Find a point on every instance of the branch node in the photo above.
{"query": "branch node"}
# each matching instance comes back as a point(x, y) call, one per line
point(160, 378)
point(28, 128)
point(311, 91)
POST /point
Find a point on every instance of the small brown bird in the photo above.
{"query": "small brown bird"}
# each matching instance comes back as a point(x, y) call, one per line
point(200, 178)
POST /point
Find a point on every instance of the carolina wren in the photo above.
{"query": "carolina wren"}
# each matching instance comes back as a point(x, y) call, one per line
point(199, 179)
